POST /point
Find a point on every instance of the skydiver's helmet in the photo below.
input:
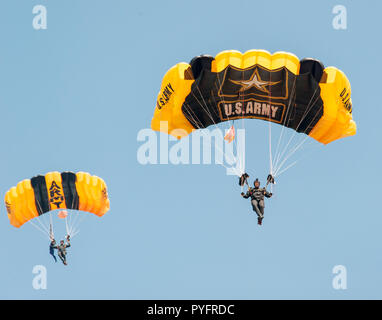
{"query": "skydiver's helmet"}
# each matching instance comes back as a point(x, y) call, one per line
point(62, 242)
point(256, 183)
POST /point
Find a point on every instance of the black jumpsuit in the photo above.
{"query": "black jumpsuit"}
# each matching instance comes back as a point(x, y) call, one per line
point(257, 199)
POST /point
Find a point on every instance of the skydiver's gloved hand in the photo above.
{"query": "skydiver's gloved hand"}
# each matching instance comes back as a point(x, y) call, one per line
point(270, 194)
point(242, 194)
point(270, 179)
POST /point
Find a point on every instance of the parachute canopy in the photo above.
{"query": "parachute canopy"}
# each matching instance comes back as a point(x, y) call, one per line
point(299, 94)
point(66, 190)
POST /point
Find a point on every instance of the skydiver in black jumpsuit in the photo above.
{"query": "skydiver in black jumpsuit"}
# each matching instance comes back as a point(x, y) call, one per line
point(257, 195)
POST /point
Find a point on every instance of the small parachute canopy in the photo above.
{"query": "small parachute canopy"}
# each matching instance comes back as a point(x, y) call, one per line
point(230, 135)
point(62, 214)
point(34, 197)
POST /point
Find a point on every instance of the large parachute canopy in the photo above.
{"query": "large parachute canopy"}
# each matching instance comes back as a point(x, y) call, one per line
point(299, 94)
point(39, 195)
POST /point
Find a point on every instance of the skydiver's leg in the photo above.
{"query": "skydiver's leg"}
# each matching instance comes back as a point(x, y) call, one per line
point(255, 207)
point(51, 251)
point(62, 257)
point(261, 207)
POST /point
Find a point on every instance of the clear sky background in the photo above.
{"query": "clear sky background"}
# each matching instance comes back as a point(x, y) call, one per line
point(74, 96)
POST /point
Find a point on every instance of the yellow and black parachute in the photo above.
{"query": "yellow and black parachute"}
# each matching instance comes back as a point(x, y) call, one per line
point(67, 190)
point(299, 94)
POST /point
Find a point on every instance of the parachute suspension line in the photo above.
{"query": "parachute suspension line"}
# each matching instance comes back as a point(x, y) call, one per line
point(43, 227)
point(42, 230)
point(240, 158)
point(70, 222)
point(285, 169)
point(69, 218)
point(75, 230)
point(307, 110)
point(66, 227)
point(296, 148)
point(285, 123)
point(279, 172)
point(196, 120)
point(270, 148)
point(298, 145)
point(75, 221)
point(270, 128)
point(287, 117)
point(294, 134)
point(75, 233)
point(51, 231)
point(204, 106)
point(216, 146)
point(281, 157)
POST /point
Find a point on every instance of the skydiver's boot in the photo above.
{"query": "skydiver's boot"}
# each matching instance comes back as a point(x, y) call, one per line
point(259, 221)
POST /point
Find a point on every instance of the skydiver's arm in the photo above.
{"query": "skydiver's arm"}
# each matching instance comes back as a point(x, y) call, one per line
point(246, 195)
point(267, 194)
point(68, 244)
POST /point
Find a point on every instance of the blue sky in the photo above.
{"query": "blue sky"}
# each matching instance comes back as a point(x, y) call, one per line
point(74, 97)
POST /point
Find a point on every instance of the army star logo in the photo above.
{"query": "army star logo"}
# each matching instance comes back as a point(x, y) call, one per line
point(254, 81)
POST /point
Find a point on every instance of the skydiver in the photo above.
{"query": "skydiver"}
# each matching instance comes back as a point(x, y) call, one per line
point(51, 249)
point(257, 195)
point(61, 248)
